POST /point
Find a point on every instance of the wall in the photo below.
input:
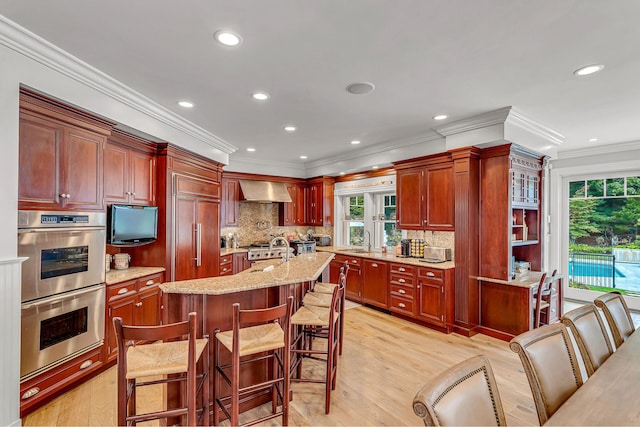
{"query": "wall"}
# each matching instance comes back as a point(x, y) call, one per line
point(259, 221)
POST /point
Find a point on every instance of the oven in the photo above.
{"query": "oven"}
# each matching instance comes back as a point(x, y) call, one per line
point(63, 290)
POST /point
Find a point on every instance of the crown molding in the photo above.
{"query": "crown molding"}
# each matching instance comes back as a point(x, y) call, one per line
point(26, 43)
point(518, 119)
point(600, 150)
point(251, 164)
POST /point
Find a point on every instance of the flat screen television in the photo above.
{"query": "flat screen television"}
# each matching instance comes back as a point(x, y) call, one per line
point(129, 225)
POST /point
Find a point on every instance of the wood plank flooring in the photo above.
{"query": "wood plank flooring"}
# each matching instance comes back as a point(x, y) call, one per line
point(385, 362)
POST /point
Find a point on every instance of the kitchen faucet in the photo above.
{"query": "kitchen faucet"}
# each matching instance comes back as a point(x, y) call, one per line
point(286, 243)
point(369, 245)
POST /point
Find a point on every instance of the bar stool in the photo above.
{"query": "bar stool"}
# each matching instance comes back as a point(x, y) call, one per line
point(318, 322)
point(327, 290)
point(172, 360)
point(254, 333)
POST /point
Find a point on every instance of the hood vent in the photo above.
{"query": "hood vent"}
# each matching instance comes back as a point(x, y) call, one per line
point(264, 191)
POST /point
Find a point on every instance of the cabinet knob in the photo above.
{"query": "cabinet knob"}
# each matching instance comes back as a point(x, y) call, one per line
point(139, 304)
point(401, 291)
point(133, 194)
point(374, 265)
point(401, 305)
point(86, 364)
point(30, 393)
point(353, 261)
point(401, 280)
point(401, 269)
point(150, 282)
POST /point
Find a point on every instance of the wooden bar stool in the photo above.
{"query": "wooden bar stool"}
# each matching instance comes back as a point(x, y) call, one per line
point(171, 360)
point(257, 335)
point(318, 322)
point(327, 289)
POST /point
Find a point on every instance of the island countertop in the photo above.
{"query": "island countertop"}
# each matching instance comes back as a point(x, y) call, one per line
point(303, 268)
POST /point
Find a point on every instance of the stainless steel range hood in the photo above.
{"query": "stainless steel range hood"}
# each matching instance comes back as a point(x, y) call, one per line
point(264, 191)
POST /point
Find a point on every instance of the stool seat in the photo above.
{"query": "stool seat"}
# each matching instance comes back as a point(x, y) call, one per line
point(324, 288)
point(318, 300)
point(162, 358)
point(254, 339)
point(312, 316)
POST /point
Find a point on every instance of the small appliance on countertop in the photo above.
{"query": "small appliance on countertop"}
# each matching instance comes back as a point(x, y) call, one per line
point(436, 254)
point(322, 239)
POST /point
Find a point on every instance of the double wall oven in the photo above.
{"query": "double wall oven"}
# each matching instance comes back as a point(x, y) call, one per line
point(63, 290)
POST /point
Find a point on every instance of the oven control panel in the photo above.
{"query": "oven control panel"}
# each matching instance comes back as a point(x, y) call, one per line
point(64, 219)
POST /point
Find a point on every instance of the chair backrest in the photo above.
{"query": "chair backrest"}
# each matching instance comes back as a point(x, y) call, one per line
point(542, 288)
point(617, 314)
point(465, 394)
point(127, 335)
point(590, 334)
point(551, 365)
point(280, 314)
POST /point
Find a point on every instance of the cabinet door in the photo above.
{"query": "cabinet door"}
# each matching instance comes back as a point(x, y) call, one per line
point(287, 211)
point(38, 163)
point(410, 199)
point(143, 178)
point(431, 301)
point(240, 262)
point(375, 290)
point(440, 198)
point(116, 173)
point(185, 238)
point(120, 307)
point(300, 205)
point(81, 169)
point(230, 202)
point(147, 310)
point(207, 217)
point(353, 289)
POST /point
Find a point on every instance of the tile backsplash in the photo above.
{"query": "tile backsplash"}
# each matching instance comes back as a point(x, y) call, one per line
point(259, 222)
point(443, 239)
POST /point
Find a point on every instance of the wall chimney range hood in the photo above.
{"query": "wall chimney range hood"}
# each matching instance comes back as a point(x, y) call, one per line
point(264, 191)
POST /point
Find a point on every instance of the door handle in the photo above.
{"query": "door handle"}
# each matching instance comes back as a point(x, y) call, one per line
point(198, 244)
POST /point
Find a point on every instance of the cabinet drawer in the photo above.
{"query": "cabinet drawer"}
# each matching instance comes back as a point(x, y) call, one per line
point(153, 280)
point(354, 261)
point(405, 291)
point(402, 305)
point(121, 289)
point(401, 279)
point(226, 259)
point(431, 273)
point(226, 269)
point(402, 268)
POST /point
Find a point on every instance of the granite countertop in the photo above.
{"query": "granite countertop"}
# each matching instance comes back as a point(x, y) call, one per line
point(230, 251)
point(530, 279)
point(391, 257)
point(303, 268)
point(117, 276)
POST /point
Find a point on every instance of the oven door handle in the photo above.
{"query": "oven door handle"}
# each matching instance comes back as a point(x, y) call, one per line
point(59, 230)
point(56, 298)
point(198, 244)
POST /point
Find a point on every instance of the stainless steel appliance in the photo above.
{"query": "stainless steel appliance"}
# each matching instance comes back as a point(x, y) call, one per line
point(322, 239)
point(63, 291)
point(303, 246)
point(260, 250)
point(435, 254)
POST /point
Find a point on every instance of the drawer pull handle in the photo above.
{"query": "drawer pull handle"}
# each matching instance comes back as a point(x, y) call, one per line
point(401, 291)
point(30, 393)
point(123, 291)
point(139, 304)
point(353, 261)
point(401, 269)
point(401, 305)
point(150, 282)
point(374, 265)
point(401, 281)
point(86, 364)
point(430, 274)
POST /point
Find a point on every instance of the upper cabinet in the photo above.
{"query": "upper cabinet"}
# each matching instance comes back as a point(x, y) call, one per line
point(319, 201)
point(425, 193)
point(510, 209)
point(60, 156)
point(230, 202)
point(293, 213)
point(129, 170)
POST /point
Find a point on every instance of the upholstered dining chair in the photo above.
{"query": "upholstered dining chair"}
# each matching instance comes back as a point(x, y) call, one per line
point(551, 365)
point(590, 334)
point(617, 314)
point(465, 394)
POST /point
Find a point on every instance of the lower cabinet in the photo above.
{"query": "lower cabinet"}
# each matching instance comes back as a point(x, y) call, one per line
point(240, 262)
point(375, 283)
point(353, 288)
point(435, 296)
point(402, 283)
point(226, 265)
point(137, 302)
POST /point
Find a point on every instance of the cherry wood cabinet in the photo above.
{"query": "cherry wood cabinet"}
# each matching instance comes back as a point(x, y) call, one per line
point(375, 283)
point(402, 289)
point(425, 193)
point(230, 204)
point(129, 170)
point(319, 201)
point(435, 296)
point(240, 262)
point(353, 288)
point(226, 265)
point(137, 302)
point(293, 213)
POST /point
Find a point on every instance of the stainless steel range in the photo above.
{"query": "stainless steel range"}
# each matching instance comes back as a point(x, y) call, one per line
point(259, 251)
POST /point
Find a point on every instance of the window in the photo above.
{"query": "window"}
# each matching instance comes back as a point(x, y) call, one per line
point(355, 220)
point(369, 216)
point(390, 236)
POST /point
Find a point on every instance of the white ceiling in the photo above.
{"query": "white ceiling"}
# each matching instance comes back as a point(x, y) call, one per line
point(425, 57)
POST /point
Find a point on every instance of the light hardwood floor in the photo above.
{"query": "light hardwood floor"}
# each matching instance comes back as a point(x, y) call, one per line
point(385, 362)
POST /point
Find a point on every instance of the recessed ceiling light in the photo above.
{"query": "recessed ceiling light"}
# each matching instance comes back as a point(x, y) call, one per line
point(593, 139)
point(374, 167)
point(440, 117)
point(589, 69)
point(251, 149)
point(342, 173)
point(290, 128)
point(260, 96)
point(355, 142)
point(227, 38)
point(303, 157)
point(360, 88)
point(186, 104)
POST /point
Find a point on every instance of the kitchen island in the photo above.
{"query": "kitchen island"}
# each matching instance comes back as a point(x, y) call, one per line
point(265, 284)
